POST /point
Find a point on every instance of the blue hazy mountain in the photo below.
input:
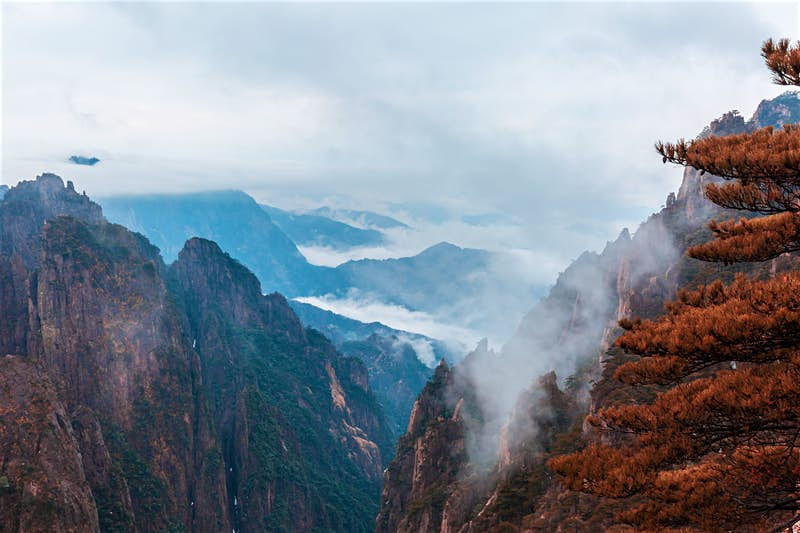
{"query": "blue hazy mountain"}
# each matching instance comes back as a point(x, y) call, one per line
point(362, 219)
point(465, 286)
point(3, 191)
point(318, 230)
point(341, 329)
point(233, 220)
point(454, 285)
point(432, 273)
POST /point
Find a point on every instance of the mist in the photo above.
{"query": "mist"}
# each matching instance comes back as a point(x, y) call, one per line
point(566, 333)
point(365, 308)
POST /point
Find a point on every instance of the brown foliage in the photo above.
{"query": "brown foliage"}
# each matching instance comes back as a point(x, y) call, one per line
point(757, 239)
point(747, 321)
point(714, 453)
point(765, 169)
point(765, 198)
point(783, 60)
point(767, 155)
point(718, 449)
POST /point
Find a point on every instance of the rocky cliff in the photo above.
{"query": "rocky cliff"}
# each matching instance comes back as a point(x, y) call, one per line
point(394, 358)
point(147, 398)
point(572, 330)
point(298, 426)
point(41, 473)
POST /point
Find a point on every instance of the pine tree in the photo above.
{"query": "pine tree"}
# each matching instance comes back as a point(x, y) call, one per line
point(719, 447)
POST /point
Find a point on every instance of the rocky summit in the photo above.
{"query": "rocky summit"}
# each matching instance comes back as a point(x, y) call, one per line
point(137, 397)
point(435, 484)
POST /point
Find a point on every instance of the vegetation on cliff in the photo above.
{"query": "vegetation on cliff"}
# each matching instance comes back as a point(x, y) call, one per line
point(716, 449)
point(167, 399)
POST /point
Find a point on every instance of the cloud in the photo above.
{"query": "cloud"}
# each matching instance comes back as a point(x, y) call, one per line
point(422, 347)
point(83, 160)
point(327, 256)
point(539, 264)
point(366, 309)
point(540, 111)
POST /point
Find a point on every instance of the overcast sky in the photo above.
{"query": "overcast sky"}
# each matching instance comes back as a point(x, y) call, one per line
point(546, 113)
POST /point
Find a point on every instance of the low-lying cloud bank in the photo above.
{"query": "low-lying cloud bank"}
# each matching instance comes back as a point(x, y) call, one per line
point(367, 309)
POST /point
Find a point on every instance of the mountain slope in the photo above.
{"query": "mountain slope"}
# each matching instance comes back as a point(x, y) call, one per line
point(394, 359)
point(361, 219)
point(233, 220)
point(577, 322)
point(42, 482)
point(464, 286)
point(289, 408)
point(182, 398)
point(316, 230)
point(450, 283)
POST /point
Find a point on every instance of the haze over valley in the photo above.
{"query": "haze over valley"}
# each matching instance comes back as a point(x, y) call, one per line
point(399, 268)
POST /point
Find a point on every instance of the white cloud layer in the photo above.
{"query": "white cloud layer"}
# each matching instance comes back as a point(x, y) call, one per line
point(366, 309)
point(543, 112)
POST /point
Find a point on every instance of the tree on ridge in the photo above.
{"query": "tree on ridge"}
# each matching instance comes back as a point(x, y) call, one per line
point(719, 447)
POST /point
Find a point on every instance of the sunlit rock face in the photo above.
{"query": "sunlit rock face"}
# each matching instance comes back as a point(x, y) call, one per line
point(635, 275)
point(42, 483)
point(175, 398)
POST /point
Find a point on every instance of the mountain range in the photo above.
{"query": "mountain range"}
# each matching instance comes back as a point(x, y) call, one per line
point(360, 219)
point(453, 285)
point(147, 397)
point(474, 456)
point(138, 394)
point(317, 230)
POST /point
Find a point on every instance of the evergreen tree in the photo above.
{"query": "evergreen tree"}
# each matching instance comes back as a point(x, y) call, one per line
point(719, 447)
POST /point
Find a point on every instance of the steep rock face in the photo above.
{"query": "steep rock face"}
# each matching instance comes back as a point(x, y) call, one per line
point(396, 375)
point(429, 458)
point(302, 438)
point(23, 212)
point(434, 484)
point(575, 314)
point(105, 476)
point(397, 361)
point(112, 340)
point(784, 109)
point(42, 484)
point(634, 276)
point(29, 204)
point(189, 400)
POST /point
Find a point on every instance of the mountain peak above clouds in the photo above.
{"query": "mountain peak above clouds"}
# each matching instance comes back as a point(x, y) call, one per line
point(359, 218)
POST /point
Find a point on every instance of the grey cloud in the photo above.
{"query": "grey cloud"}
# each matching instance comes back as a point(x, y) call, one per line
point(545, 112)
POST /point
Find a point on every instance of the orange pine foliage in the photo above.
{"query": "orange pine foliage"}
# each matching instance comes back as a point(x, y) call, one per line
point(765, 198)
point(783, 59)
point(767, 155)
point(747, 321)
point(716, 453)
point(765, 168)
point(718, 449)
point(759, 239)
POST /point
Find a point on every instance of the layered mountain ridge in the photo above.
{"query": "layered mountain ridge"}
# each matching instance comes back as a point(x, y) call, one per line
point(316, 230)
point(509, 488)
point(398, 362)
point(163, 398)
point(450, 283)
